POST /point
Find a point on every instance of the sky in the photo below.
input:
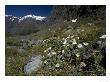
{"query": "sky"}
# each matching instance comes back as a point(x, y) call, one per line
point(22, 10)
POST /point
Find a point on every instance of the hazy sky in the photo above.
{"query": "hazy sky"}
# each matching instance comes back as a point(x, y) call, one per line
point(21, 10)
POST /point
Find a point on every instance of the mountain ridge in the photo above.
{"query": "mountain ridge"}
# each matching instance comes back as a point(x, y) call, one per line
point(21, 18)
point(23, 25)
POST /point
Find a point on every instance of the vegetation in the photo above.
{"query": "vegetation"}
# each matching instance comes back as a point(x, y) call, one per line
point(67, 49)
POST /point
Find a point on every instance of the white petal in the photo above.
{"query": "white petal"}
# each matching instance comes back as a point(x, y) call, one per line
point(65, 41)
point(85, 43)
point(63, 51)
point(57, 65)
point(74, 20)
point(74, 42)
point(53, 53)
point(80, 46)
point(45, 61)
point(82, 64)
point(77, 55)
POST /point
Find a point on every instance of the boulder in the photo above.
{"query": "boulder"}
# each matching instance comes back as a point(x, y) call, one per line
point(33, 64)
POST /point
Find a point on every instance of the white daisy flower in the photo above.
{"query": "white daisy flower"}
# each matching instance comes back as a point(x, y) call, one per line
point(63, 51)
point(49, 54)
point(74, 42)
point(85, 43)
point(77, 37)
point(63, 38)
point(44, 41)
point(67, 45)
point(82, 64)
point(45, 50)
point(53, 53)
point(45, 61)
point(68, 37)
point(77, 55)
point(49, 48)
point(80, 46)
point(65, 41)
point(103, 37)
point(57, 65)
point(43, 56)
point(74, 20)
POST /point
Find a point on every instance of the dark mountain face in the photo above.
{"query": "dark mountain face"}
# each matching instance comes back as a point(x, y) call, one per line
point(68, 12)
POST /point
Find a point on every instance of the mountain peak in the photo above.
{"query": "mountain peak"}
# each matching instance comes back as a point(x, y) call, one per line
point(32, 16)
point(40, 18)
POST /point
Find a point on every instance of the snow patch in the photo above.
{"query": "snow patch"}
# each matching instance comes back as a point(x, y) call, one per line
point(32, 16)
point(40, 18)
point(8, 15)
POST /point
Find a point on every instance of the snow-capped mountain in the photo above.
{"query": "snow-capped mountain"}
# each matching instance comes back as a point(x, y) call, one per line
point(31, 16)
point(12, 18)
point(23, 24)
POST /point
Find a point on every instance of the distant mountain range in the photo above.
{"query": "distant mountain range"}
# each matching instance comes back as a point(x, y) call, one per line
point(23, 25)
point(20, 19)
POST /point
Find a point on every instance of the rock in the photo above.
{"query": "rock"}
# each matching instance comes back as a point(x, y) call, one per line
point(68, 31)
point(69, 27)
point(78, 30)
point(33, 64)
point(102, 45)
point(99, 44)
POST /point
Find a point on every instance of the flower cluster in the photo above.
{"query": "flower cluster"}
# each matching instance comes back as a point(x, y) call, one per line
point(61, 50)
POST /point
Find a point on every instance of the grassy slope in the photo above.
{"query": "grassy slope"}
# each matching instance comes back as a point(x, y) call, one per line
point(54, 38)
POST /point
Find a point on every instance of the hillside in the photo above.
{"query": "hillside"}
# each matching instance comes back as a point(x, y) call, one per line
point(74, 45)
